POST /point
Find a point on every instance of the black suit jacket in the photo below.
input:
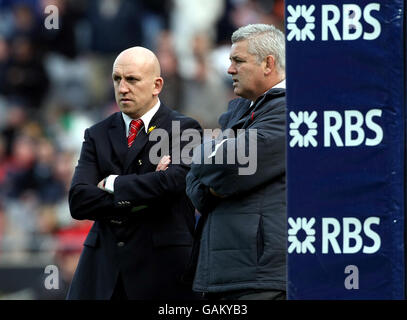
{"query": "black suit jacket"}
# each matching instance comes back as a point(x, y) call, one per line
point(144, 230)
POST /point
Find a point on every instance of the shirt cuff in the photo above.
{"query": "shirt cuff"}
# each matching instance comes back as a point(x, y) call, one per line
point(109, 186)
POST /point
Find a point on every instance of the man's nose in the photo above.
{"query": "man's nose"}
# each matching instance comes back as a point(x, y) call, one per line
point(231, 69)
point(123, 87)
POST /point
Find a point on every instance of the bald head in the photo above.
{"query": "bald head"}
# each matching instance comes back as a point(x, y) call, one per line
point(137, 81)
point(140, 56)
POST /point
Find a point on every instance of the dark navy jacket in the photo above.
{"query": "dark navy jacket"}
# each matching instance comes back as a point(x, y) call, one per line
point(243, 241)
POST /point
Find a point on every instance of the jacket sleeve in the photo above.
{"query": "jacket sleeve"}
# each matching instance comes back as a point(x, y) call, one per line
point(86, 200)
point(135, 189)
point(200, 195)
point(265, 161)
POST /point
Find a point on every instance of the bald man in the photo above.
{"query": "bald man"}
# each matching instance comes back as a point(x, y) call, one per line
point(140, 242)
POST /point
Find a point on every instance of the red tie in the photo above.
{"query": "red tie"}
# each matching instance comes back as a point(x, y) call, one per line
point(135, 126)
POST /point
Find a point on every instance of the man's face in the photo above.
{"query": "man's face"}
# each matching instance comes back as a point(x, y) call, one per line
point(135, 85)
point(247, 73)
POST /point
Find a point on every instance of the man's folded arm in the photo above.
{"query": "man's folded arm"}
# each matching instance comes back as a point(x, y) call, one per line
point(90, 202)
point(86, 200)
point(200, 195)
point(135, 190)
point(265, 162)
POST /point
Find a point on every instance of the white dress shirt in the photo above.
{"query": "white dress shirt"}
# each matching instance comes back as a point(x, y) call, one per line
point(146, 118)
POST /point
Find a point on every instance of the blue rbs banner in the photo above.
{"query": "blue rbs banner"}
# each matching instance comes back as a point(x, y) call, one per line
point(345, 149)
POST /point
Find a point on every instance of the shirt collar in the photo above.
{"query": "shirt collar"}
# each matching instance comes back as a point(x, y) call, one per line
point(281, 85)
point(146, 118)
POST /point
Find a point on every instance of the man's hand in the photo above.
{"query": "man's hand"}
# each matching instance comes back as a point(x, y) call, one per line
point(101, 184)
point(163, 164)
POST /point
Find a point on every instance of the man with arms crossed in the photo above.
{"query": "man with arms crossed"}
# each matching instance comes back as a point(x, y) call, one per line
point(140, 242)
point(243, 225)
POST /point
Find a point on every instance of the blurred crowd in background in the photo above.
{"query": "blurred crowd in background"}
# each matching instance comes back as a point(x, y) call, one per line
point(55, 83)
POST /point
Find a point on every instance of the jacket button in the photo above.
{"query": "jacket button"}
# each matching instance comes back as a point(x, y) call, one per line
point(120, 244)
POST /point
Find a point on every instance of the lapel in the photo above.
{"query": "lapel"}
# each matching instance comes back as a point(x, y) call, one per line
point(142, 137)
point(117, 136)
point(256, 106)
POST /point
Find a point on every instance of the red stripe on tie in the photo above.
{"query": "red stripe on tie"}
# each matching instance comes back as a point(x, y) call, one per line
point(135, 126)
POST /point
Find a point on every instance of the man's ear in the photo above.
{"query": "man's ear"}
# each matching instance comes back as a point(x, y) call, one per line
point(270, 65)
point(158, 85)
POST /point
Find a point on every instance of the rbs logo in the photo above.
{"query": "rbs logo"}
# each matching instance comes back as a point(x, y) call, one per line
point(346, 236)
point(351, 16)
point(351, 230)
point(301, 22)
point(350, 128)
point(354, 133)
